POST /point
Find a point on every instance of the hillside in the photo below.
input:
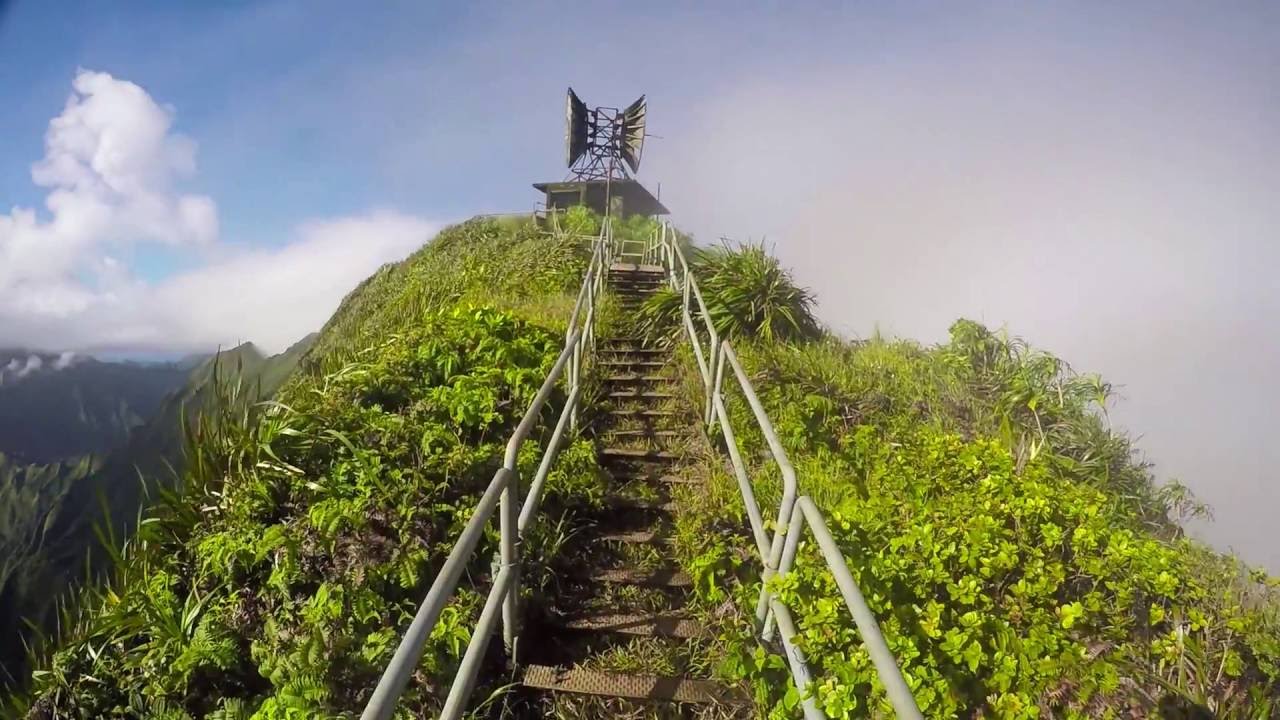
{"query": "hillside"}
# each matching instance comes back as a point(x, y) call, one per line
point(1020, 561)
point(319, 520)
point(53, 513)
point(57, 407)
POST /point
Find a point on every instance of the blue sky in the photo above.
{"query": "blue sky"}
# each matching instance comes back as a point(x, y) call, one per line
point(1102, 179)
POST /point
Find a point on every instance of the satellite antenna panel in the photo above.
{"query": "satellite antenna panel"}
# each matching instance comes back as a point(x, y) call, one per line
point(632, 133)
point(577, 131)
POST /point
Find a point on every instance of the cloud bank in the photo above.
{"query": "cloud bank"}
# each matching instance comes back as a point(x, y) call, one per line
point(112, 166)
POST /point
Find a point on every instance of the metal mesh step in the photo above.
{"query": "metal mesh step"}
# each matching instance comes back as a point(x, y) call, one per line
point(642, 395)
point(672, 625)
point(663, 577)
point(635, 687)
point(642, 413)
point(637, 268)
point(631, 351)
point(631, 363)
point(652, 477)
point(632, 536)
point(641, 454)
point(642, 433)
point(631, 503)
point(637, 377)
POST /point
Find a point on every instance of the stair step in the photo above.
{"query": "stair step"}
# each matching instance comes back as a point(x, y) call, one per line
point(662, 577)
point(641, 454)
point(637, 537)
point(637, 378)
point(625, 502)
point(632, 363)
point(649, 477)
point(642, 433)
point(668, 624)
point(631, 351)
point(636, 395)
point(635, 687)
point(636, 268)
point(643, 413)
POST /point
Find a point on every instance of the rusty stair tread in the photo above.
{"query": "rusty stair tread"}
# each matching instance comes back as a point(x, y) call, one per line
point(664, 624)
point(666, 479)
point(630, 453)
point(632, 363)
point(637, 268)
point(631, 350)
point(635, 687)
point(642, 433)
point(668, 576)
point(625, 502)
point(638, 537)
point(636, 377)
point(651, 395)
point(643, 413)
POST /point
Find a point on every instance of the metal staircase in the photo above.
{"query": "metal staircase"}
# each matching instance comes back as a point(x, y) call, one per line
point(635, 436)
point(636, 433)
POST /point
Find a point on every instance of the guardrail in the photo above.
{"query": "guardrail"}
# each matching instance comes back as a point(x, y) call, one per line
point(514, 518)
point(777, 553)
point(794, 512)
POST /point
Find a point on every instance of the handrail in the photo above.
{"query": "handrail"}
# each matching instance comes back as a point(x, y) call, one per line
point(514, 518)
point(777, 554)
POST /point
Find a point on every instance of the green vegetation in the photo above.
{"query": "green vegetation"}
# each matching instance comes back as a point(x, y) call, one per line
point(1021, 561)
point(747, 292)
point(59, 514)
point(276, 582)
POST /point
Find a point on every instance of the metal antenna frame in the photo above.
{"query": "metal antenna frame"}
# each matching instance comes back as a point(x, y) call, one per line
point(604, 147)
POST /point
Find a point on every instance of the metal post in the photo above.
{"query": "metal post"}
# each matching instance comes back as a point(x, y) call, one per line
point(716, 394)
point(509, 528)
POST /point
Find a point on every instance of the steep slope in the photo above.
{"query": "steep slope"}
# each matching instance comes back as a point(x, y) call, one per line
point(1020, 559)
point(309, 529)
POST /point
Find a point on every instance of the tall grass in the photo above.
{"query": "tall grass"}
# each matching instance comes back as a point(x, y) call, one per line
point(748, 294)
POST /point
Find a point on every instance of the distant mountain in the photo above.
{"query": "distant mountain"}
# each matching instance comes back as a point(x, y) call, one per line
point(49, 509)
point(55, 407)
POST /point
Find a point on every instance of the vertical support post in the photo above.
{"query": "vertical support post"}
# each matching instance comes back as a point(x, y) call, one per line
point(509, 554)
point(715, 388)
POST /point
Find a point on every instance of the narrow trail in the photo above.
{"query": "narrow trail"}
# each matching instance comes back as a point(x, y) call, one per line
point(618, 640)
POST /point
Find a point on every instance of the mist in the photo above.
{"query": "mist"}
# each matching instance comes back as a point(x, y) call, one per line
point(1104, 184)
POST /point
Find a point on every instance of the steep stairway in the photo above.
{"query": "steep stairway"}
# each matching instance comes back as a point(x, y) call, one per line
point(619, 640)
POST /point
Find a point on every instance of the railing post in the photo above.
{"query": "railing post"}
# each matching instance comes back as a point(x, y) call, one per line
point(509, 510)
point(715, 389)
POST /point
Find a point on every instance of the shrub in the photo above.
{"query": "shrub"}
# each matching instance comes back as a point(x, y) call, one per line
point(748, 295)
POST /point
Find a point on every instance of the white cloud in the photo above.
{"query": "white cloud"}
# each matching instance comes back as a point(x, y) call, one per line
point(33, 364)
point(111, 164)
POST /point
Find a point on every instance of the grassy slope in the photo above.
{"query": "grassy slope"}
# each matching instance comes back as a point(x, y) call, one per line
point(1022, 562)
point(310, 530)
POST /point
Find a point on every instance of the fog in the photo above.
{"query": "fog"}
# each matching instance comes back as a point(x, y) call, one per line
point(1106, 187)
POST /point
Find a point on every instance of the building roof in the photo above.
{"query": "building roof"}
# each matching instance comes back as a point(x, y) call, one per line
point(635, 198)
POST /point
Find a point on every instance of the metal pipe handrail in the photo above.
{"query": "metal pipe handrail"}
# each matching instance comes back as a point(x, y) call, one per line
point(895, 686)
point(777, 554)
point(500, 496)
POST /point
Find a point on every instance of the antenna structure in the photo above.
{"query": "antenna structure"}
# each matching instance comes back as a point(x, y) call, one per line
point(597, 138)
